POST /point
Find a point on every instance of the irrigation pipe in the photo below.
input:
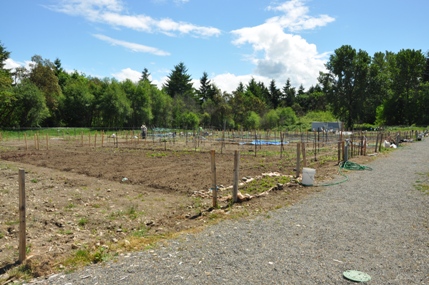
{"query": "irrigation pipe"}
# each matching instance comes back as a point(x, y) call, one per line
point(348, 165)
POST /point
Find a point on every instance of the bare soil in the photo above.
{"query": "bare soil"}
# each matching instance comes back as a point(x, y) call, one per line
point(81, 197)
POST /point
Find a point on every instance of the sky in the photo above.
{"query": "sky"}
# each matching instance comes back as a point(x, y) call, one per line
point(232, 41)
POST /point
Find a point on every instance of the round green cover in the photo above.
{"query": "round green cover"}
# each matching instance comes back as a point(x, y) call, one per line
point(356, 276)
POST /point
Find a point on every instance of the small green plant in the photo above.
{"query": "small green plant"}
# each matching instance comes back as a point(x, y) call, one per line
point(263, 184)
point(423, 184)
point(23, 272)
point(70, 206)
point(82, 221)
point(158, 154)
point(141, 232)
point(1, 235)
point(132, 212)
point(34, 180)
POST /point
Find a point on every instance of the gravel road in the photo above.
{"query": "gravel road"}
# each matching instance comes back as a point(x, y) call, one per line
point(377, 223)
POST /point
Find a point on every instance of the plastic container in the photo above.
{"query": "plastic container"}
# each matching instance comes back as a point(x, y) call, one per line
point(308, 176)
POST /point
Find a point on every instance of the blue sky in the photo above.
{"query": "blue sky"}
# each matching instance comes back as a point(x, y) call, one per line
point(231, 40)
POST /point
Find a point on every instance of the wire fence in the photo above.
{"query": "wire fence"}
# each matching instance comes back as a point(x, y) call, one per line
point(306, 148)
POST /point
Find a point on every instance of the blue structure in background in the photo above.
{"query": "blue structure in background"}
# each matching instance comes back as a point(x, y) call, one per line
point(328, 126)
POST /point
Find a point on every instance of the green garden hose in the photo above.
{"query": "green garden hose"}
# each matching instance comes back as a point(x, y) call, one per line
point(349, 166)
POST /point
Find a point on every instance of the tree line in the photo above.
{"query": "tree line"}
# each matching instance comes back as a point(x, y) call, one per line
point(384, 89)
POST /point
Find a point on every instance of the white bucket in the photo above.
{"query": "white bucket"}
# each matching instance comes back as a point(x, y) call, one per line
point(308, 176)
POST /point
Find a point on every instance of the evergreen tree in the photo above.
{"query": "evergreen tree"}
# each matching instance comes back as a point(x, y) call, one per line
point(145, 75)
point(179, 82)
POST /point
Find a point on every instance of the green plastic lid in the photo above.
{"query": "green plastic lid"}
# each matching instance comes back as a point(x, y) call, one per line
point(356, 276)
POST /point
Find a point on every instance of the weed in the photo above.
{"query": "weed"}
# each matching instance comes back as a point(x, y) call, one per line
point(263, 184)
point(141, 232)
point(10, 223)
point(23, 272)
point(82, 222)
point(70, 206)
point(84, 257)
point(423, 184)
point(132, 212)
point(34, 180)
point(158, 154)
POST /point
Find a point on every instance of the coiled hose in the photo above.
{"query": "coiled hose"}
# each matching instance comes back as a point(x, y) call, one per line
point(349, 166)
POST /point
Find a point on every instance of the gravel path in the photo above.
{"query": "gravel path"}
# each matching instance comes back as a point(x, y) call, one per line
point(377, 223)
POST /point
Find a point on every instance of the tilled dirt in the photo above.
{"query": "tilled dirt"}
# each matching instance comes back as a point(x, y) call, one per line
point(82, 197)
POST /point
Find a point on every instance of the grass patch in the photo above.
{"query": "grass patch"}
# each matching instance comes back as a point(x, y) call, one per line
point(82, 222)
point(70, 206)
point(423, 184)
point(130, 212)
point(263, 184)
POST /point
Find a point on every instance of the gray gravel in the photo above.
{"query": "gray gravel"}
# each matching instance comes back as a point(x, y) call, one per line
point(377, 223)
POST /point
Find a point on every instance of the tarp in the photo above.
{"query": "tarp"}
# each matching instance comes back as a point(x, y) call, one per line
point(263, 142)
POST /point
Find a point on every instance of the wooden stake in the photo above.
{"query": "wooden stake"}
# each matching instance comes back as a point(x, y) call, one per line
point(22, 227)
point(214, 187)
point(236, 173)
point(47, 142)
point(339, 152)
point(304, 160)
point(298, 156)
point(26, 145)
point(376, 142)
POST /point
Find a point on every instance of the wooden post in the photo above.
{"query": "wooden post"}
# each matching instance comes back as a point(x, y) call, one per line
point(102, 138)
point(339, 152)
point(256, 142)
point(381, 142)
point(304, 162)
point(26, 145)
point(214, 187)
point(47, 142)
point(298, 160)
point(376, 142)
point(95, 139)
point(236, 173)
point(89, 139)
point(22, 228)
point(343, 149)
point(81, 138)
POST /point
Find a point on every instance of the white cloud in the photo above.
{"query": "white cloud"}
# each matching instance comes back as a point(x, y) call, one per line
point(128, 73)
point(296, 17)
point(112, 12)
point(279, 55)
point(131, 46)
point(11, 64)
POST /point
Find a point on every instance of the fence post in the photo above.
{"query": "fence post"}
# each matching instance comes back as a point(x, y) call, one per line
point(22, 227)
point(381, 142)
point(339, 152)
point(376, 142)
point(236, 173)
point(214, 187)
point(298, 154)
point(304, 160)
